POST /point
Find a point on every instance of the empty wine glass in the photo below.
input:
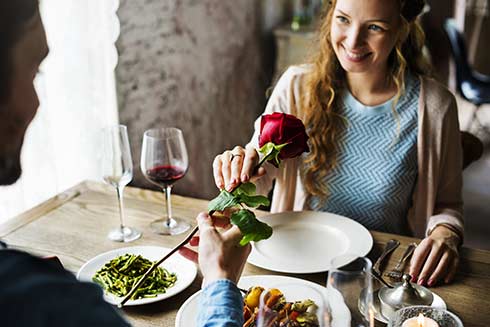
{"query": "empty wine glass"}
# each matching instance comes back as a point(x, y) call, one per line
point(117, 170)
point(163, 162)
point(349, 292)
point(306, 306)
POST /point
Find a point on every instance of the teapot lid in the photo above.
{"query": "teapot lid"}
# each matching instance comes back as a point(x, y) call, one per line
point(405, 294)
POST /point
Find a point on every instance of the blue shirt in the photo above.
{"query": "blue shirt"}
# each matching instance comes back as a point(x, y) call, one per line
point(376, 163)
point(221, 305)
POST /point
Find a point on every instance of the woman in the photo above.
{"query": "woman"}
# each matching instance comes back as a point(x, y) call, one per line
point(384, 138)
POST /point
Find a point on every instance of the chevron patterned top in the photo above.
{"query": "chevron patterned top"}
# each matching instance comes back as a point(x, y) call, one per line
point(376, 171)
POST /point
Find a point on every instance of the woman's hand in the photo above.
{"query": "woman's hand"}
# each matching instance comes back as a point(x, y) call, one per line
point(231, 168)
point(436, 258)
point(220, 256)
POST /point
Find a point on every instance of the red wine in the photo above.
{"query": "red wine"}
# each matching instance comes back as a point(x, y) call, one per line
point(165, 175)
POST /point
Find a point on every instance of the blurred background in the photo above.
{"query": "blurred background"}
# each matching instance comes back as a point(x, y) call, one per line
point(203, 66)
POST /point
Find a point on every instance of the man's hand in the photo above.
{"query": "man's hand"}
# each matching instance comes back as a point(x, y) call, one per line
point(220, 256)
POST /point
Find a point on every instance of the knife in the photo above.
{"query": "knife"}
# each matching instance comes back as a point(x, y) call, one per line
point(389, 247)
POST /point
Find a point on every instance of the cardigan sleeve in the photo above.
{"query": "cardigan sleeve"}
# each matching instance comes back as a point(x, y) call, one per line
point(282, 99)
point(448, 208)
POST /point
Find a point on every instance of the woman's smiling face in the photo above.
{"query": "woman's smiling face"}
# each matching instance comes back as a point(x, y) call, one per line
point(364, 33)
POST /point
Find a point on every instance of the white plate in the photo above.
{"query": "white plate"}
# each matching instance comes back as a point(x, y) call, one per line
point(187, 314)
point(186, 270)
point(306, 241)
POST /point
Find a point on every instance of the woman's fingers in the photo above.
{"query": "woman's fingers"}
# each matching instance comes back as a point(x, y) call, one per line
point(226, 168)
point(452, 269)
point(217, 173)
point(236, 162)
point(441, 269)
point(250, 161)
point(234, 167)
point(430, 263)
point(419, 255)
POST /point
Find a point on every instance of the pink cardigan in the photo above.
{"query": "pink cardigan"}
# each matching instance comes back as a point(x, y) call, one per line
point(437, 195)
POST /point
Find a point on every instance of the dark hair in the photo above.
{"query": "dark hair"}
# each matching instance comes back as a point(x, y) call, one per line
point(14, 14)
point(411, 9)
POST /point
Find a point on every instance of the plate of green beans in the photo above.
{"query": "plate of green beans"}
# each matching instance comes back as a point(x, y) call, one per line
point(118, 270)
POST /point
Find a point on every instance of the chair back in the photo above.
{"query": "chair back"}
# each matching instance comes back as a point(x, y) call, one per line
point(458, 48)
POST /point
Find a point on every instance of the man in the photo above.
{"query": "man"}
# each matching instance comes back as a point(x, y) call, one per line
point(37, 292)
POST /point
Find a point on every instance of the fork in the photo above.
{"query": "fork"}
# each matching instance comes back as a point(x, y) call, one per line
point(389, 247)
point(397, 272)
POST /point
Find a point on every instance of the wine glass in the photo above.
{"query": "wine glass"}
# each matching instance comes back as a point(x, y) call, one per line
point(117, 170)
point(163, 162)
point(350, 292)
point(270, 314)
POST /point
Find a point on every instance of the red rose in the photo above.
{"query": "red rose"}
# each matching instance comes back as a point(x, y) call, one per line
point(281, 128)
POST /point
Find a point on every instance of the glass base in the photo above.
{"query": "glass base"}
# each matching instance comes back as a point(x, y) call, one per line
point(173, 227)
point(126, 234)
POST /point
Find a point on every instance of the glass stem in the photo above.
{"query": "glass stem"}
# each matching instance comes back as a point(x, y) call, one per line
point(121, 206)
point(168, 190)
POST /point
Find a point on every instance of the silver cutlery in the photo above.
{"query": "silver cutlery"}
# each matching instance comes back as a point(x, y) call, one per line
point(389, 247)
point(375, 274)
point(397, 272)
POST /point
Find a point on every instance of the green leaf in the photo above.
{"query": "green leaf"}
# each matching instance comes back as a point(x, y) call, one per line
point(245, 188)
point(222, 201)
point(254, 201)
point(246, 195)
point(251, 228)
point(271, 152)
point(267, 149)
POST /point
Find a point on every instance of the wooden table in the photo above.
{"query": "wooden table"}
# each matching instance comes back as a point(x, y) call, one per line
point(73, 226)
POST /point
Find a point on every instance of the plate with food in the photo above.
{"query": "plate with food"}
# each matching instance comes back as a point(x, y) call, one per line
point(117, 270)
point(187, 314)
point(306, 241)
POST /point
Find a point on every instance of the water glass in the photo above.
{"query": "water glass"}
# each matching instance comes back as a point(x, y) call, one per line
point(117, 170)
point(350, 292)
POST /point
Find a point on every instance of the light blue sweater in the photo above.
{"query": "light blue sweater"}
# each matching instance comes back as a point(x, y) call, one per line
point(376, 171)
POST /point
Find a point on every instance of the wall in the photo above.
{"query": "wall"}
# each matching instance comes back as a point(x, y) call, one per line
point(200, 65)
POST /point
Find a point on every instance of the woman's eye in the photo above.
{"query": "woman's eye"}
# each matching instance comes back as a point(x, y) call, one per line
point(375, 28)
point(342, 19)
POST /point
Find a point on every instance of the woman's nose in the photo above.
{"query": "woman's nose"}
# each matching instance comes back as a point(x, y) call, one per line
point(354, 38)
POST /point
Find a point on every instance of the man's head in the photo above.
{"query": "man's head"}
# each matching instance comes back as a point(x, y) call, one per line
point(23, 47)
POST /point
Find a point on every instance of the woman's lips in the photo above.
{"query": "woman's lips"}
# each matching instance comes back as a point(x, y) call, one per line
point(355, 56)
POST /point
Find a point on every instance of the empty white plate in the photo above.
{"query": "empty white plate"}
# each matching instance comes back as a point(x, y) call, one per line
point(306, 241)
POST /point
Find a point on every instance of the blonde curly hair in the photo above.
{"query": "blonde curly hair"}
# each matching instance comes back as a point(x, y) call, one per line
point(324, 82)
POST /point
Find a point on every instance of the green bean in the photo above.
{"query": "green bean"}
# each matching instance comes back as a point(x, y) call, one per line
point(120, 274)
